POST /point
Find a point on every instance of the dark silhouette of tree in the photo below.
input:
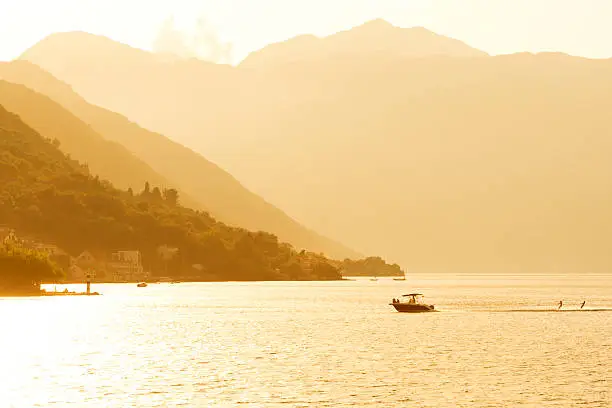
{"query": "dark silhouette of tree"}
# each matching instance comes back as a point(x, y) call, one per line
point(22, 270)
point(371, 266)
point(325, 271)
point(156, 194)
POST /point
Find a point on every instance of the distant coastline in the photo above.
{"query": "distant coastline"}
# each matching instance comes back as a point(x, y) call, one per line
point(186, 280)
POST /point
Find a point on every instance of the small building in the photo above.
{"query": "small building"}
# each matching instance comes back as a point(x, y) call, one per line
point(127, 266)
point(85, 259)
point(84, 265)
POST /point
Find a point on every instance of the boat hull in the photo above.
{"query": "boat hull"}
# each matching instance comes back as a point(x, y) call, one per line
point(411, 308)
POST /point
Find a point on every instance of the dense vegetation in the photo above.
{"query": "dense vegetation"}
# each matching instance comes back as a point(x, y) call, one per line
point(372, 266)
point(22, 270)
point(48, 195)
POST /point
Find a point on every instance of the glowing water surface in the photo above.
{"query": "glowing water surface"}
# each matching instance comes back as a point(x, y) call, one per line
point(313, 344)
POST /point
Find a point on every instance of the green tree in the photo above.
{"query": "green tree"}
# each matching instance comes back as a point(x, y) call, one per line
point(325, 271)
point(23, 270)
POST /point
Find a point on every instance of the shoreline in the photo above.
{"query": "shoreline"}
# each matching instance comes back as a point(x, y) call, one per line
point(187, 281)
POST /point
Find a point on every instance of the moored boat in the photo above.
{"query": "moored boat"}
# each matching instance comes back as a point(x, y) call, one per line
point(142, 285)
point(414, 304)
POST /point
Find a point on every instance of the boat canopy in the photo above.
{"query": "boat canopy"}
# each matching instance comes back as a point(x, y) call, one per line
point(414, 294)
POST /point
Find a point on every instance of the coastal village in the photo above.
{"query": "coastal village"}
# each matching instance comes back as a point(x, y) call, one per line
point(122, 265)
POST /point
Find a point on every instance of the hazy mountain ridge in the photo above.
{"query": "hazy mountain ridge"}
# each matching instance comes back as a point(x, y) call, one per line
point(476, 164)
point(43, 193)
point(214, 189)
point(373, 39)
point(78, 55)
point(105, 158)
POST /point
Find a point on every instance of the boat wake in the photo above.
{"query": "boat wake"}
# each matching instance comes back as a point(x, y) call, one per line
point(548, 310)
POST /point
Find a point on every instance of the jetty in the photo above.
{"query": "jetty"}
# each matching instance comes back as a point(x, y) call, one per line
point(66, 292)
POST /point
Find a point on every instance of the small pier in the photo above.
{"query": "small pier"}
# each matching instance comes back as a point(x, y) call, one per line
point(66, 292)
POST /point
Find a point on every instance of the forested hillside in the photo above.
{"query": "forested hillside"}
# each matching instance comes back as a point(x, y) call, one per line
point(371, 266)
point(45, 194)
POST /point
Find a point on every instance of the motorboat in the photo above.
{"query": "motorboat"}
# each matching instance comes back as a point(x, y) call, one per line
point(403, 278)
point(142, 285)
point(413, 304)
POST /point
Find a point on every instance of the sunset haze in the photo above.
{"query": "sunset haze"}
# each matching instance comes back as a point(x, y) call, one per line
point(505, 26)
point(306, 203)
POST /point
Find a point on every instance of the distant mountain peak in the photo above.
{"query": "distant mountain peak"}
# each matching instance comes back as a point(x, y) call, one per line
point(76, 39)
point(377, 23)
point(371, 39)
point(61, 46)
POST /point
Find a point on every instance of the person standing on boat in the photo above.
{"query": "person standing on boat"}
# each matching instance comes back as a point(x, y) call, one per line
point(560, 304)
point(582, 305)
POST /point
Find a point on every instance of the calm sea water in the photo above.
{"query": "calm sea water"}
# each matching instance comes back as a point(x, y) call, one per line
point(313, 344)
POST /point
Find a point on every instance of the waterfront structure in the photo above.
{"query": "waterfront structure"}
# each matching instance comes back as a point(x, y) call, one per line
point(127, 266)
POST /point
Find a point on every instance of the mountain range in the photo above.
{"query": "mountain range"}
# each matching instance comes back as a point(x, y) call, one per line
point(374, 39)
point(129, 156)
point(394, 141)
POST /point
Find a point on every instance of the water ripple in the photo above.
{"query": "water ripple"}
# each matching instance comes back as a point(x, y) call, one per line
point(312, 344)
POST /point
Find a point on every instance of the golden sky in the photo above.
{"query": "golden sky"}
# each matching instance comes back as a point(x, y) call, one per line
point(578, 27)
